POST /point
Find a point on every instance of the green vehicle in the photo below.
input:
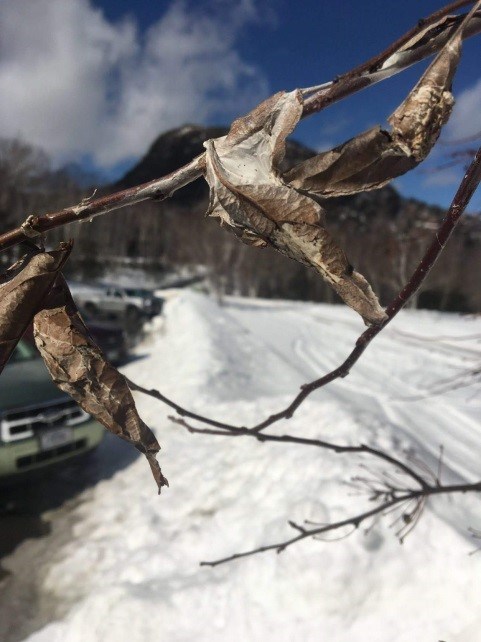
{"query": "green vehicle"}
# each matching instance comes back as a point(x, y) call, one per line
point(39, 424)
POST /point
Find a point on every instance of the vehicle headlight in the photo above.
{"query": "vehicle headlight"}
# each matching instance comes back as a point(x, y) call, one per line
point(13, 430)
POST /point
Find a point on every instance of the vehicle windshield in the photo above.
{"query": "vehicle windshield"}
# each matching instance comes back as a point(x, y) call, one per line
point(23, 352)
point(138, 292)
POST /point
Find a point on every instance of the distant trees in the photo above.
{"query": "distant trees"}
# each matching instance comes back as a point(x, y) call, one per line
point(22, 170)
point(383, 233)
point(28, 184)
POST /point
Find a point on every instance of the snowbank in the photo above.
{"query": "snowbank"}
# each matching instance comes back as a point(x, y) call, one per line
point(132, 573)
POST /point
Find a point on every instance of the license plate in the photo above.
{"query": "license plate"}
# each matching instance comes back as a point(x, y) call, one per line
point(55, 437)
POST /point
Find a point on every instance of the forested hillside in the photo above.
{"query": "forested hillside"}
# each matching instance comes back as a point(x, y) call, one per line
point(383, 233)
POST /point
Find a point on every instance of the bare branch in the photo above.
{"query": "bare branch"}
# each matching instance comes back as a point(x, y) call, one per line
point(424, 40)
point(461, 199)
point(158, 189)
point(292, 222)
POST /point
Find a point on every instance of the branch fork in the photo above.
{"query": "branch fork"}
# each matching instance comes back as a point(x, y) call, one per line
point(263, 206)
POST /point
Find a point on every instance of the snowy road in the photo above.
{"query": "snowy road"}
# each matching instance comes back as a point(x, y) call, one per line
point(36, 520)
point(385, 386)
point(130, 570)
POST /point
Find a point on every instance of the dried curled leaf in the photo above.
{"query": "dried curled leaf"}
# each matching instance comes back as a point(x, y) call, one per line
point(22, 289)
point(263, 207)
point(79, 368)
point(248, 194)
point(375, 157)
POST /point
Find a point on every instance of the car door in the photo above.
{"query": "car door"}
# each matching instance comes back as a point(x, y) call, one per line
point(117, 301)
point(112, 301)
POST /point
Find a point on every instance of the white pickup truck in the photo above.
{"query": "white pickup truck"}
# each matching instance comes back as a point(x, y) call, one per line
point(109, 300)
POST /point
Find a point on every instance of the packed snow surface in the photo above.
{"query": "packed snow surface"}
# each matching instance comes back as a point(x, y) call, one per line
point(131, 572)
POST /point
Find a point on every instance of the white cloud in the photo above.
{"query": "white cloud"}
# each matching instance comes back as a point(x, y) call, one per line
point(443, 177)
point(74, 83)
point(324, 145)
point(466, 118)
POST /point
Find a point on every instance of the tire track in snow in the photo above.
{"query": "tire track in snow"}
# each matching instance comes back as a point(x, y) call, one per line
point(411, 420)
point(313, 351)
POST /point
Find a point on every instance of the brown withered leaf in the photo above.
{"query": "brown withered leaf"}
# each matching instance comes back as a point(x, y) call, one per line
point(22, 289)
point(372, 159)
point(79, 368)
point(248, 194)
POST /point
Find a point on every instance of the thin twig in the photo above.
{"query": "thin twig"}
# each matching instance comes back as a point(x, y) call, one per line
point(419, 496)
point(304, 441)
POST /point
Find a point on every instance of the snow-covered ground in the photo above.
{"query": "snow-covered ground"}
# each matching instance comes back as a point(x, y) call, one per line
point(131, 572)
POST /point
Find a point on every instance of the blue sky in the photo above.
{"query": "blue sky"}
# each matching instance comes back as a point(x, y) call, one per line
point(95, 81)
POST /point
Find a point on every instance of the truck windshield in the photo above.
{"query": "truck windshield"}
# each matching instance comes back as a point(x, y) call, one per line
point(138, 292)
point(23, 352)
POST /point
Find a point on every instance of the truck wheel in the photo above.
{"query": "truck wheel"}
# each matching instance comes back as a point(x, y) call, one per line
point(132, 314)
point(133, 321)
